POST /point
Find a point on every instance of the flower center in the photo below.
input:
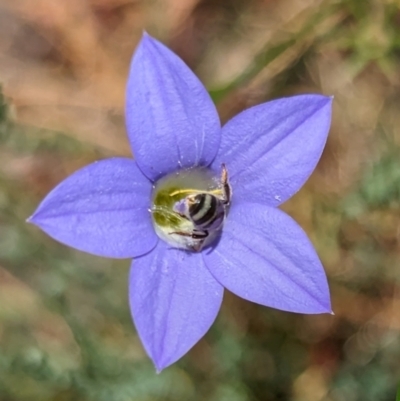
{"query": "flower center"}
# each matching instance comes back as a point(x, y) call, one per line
point(189, 207)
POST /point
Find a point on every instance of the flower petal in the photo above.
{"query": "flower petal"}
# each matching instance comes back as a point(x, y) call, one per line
point(264, 256)
point(174, 300)
point(101, 209)
point(270, 150)
point(171, 120)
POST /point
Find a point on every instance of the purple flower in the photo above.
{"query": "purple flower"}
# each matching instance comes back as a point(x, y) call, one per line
point(190, 230)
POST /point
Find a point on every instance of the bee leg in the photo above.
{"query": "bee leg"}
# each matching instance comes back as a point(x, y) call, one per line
point(226, 188)
point(193, 234)
point(197, 235)
point(182, 233)
point(201, 237)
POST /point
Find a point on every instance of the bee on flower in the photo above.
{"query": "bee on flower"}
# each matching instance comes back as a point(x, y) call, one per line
point(198, 215)
point(197, 207)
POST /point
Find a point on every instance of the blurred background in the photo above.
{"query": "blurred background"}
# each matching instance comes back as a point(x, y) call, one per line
point(65, 327)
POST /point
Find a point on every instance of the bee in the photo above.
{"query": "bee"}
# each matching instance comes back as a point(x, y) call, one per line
point(205, 210)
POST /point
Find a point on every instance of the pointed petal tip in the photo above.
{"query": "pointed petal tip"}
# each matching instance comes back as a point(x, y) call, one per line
point(148, 41)
point(36, 218)
point(316, 309)
point(162, 362)
point(322, 306)
point(327, 99)
point(326, 309)
point(32, 219)
point(328, 102)
point(160, 366)
point(330, 99)
point(146, 36)
point(324, 100)
point(159, 369)
point(145, 42)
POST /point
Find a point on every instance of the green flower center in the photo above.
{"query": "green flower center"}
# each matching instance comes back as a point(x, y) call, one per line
point(172, 203)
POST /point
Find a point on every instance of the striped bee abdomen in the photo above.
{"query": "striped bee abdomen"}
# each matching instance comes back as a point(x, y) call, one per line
point(206, 211)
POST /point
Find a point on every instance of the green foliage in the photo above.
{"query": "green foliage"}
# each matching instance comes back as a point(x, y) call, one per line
point(379, 187)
